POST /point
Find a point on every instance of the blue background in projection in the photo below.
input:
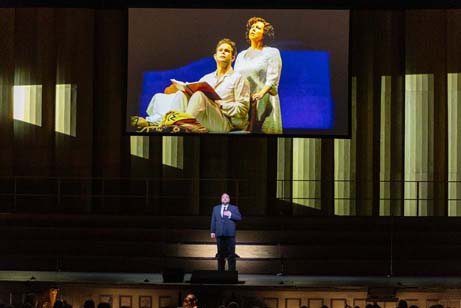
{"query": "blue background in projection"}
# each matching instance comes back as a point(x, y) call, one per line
point(304, 89)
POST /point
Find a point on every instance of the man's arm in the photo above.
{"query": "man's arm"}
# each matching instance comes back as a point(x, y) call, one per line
point(241, 104)
point(235, 213)
point(213, 224)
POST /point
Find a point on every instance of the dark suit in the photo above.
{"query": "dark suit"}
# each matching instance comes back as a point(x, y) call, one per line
point(224, 228)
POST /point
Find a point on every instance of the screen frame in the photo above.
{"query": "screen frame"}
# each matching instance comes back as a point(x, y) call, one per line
point(308, 133)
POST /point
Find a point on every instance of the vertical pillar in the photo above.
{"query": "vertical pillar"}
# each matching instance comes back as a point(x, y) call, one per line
point(419, 140)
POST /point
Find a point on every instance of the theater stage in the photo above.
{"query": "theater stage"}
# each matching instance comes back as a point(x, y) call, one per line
point(244, 280)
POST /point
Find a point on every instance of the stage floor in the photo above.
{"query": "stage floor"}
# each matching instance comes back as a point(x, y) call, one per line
point(245, 280)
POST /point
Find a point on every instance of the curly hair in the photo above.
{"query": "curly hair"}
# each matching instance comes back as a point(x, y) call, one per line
point(268, 28)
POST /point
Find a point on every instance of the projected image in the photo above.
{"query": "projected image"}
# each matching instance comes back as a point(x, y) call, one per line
point(219, 71)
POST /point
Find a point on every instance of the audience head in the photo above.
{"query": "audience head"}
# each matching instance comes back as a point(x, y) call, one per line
point(104, 305)
point(190, 301)
point(58, 304)
point(30, 298)
point(233, 305)
point(89, 303)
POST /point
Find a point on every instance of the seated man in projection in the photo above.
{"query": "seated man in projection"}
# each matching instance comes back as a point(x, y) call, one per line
point(230, 112)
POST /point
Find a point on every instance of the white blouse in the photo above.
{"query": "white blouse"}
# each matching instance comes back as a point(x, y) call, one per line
point(260, 67)
point(263, 68)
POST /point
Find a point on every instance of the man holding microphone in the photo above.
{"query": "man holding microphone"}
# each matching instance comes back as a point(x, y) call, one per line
point(223, 221)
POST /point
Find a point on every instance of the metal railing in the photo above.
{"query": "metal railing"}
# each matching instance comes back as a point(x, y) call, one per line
point(157, 195)
point(93, 194)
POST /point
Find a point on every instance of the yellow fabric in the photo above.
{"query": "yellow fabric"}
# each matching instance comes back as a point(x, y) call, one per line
point(176, 122)
point(173, 116)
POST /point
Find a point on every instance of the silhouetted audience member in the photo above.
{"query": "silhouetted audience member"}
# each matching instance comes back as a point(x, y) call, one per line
point(232, 299)
point(369, 306)
point(303, 306)
point(324, 306)
point(413, 306)
point(27, 305)
point(402, 304)
point(233, 305)
point(254, 302)
point(30, 298)
point(104, 305)
point(58, 304)
point(190, 301)
point(89, 303)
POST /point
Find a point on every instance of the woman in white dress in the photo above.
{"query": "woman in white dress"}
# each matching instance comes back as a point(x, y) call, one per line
point(262, 65)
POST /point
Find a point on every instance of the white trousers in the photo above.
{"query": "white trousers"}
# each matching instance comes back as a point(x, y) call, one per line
point(205, 110)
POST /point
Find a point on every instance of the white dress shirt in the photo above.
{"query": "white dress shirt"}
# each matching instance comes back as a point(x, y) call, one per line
point(223, 208)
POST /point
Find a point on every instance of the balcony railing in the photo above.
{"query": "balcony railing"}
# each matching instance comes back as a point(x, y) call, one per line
point(165, 196)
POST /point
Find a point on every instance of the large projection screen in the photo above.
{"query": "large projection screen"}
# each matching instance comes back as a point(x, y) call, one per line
point(311, 97)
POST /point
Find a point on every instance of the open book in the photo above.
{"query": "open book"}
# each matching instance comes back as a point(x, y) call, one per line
point(192, 87)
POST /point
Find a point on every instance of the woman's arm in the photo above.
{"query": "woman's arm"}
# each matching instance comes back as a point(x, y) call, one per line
point(274, 68)
point(258, 95)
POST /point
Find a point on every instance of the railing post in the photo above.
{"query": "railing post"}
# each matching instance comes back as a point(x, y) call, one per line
point(417, 198)
point(103, 195)
point(58, 197)
point(88, 194)
point(237, 192)
point(391, 248)
point(146, 182)
point(15, 191)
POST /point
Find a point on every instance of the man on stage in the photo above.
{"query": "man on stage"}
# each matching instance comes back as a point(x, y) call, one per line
point(223, 221)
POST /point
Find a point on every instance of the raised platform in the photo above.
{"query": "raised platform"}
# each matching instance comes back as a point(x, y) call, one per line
point(292, 246)
point(245, 280)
